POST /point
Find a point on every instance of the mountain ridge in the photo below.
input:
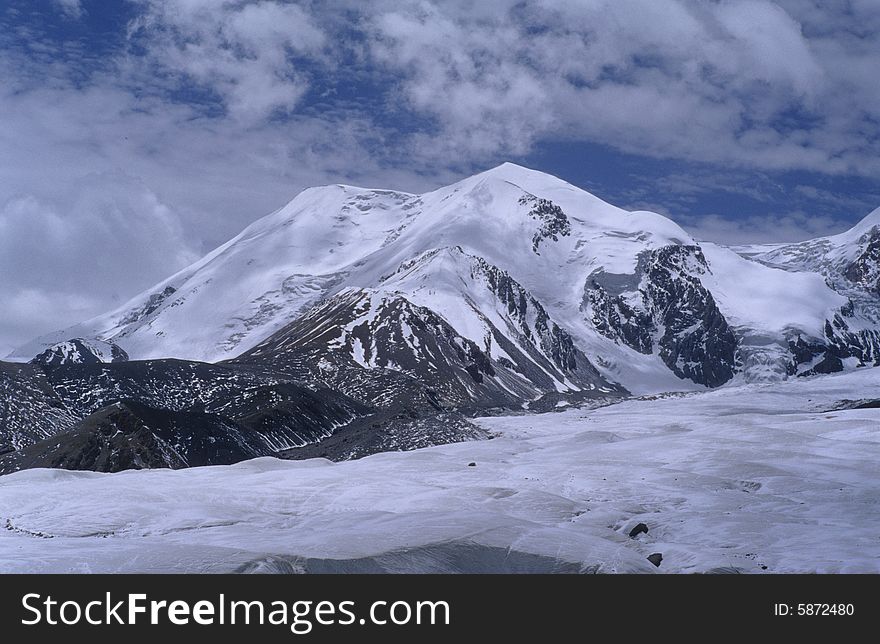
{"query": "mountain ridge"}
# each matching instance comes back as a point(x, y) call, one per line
point(571, 251)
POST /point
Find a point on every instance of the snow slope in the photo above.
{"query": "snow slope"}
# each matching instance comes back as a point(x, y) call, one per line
point(756, 296)
point(256, 282)
point(748, 478)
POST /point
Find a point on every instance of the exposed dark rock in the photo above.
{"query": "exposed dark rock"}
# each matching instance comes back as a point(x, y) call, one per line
point(803, 351)
point(472, 464)
point(550, 338)
point(829, 364)
point(655, 558)
point(30, 408)
point(117, 354)
point(408, 356)
point(613, 317)
point(129, 435)
point(865, 269)
point(843, 342)
point(676, 315)
point(70, 352)
point(389, 430)
point(855, 404)
point(641, 528)
point(554, 223)
point(153, 303)
point(38, 402)
point(697, 342)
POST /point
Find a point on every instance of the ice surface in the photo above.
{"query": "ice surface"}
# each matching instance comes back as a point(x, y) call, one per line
point(743, 477)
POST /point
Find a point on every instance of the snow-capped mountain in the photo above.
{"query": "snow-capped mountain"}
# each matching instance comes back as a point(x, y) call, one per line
point(850, 264)
point(445, 318)
point(507, 286)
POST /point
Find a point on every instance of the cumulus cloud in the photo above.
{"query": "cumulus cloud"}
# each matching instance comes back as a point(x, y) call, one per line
point(774, 85)
point(242, 51)
point(715, 82)
point(104, 193)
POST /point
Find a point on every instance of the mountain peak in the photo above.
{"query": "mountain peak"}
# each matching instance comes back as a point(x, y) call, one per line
point(868, 221)
point(850, 238)
point(517, 174)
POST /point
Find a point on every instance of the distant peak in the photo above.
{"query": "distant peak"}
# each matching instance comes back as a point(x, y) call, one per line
point(852, 235)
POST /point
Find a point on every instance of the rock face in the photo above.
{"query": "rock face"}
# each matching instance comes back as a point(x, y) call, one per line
point(554, 223)
point(173, 413)
point(844, 339)
point(153, 302)
point(30, 408)
point(640, 528)
point(381, 344)
point(864, 270)
point(697, 342)
point(261, 412)
point(130, 435)
point(543, 338)
point(665, 308)
point(828, 364)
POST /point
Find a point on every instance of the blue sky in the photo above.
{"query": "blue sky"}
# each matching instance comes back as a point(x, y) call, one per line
point(135, 136)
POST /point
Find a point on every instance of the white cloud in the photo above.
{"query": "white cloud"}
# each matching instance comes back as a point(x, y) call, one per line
point(103, 193)
point(70, 8)
point(242, 51)
point(673, 78)
point(719, 82)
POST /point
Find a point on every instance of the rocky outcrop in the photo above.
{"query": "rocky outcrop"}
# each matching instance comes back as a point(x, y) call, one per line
point(554, 223)
point(129, 435)
point(534, 324)
point(80, 351)
point(39, 402)
point(864, 270)
point(665, 308)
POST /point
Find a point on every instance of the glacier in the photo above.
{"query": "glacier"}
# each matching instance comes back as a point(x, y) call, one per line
point(752, 478)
